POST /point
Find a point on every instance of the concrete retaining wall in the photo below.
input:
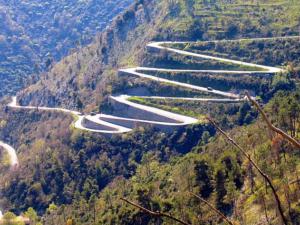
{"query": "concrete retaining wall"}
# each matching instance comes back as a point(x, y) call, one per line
point(124, 110)
point(134, 124)
point(94, 126)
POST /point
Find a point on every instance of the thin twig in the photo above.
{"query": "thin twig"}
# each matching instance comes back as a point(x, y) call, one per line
point(265, 176)
point(154, 214)
point(265, 209)
point(295, 181)
point(213, 208)
point(271, 126)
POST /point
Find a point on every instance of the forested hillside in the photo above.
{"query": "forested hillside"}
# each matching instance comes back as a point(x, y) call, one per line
point(90, 74)
point(195, 174)
point(35, 34)
point(216, 171)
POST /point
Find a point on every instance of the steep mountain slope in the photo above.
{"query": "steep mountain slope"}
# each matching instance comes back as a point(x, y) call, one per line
point(34, 33)
point(87, 76)
point(216, 171)
point(89, 173)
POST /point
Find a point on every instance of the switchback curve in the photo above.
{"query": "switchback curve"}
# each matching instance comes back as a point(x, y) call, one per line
point(111, 124)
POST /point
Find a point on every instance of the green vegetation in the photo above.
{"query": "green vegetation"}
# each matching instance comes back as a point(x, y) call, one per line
point(160, 89)
point(222, 82)
point(214, 170)
point(4, 161)
point(161, 105)
point(272, 52)
point(178, 20)
point(11, 219)
point(174, 61)
point(63, 157)
point(218, 19)
point(227, 114)
point(71, 177)
point(36, 34)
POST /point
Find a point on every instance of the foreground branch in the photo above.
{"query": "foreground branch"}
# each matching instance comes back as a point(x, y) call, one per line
point(265, 176)
point(154, 214)
point(271, 126)
point(295, 181)
point(213, 208)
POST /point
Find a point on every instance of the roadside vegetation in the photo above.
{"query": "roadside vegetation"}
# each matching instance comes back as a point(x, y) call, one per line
point(214, 170)
point(72, 177)
point(273, 52)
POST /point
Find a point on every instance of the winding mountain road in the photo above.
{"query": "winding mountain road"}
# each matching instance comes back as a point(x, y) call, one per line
point(14, 162)
point(11, 153)
point(111, 124)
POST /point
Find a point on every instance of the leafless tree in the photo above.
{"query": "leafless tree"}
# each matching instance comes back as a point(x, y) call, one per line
point(155, 214)
point(271, 126)
point(264, 175)
point(213, 208)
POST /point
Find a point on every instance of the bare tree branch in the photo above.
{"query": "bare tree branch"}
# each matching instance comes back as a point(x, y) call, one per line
point(295, 181)
point(265, 176)
point(154, 214)
point(271, 126)
point(213, 208)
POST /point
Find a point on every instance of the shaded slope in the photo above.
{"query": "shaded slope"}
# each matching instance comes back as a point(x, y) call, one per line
point(35, 33)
